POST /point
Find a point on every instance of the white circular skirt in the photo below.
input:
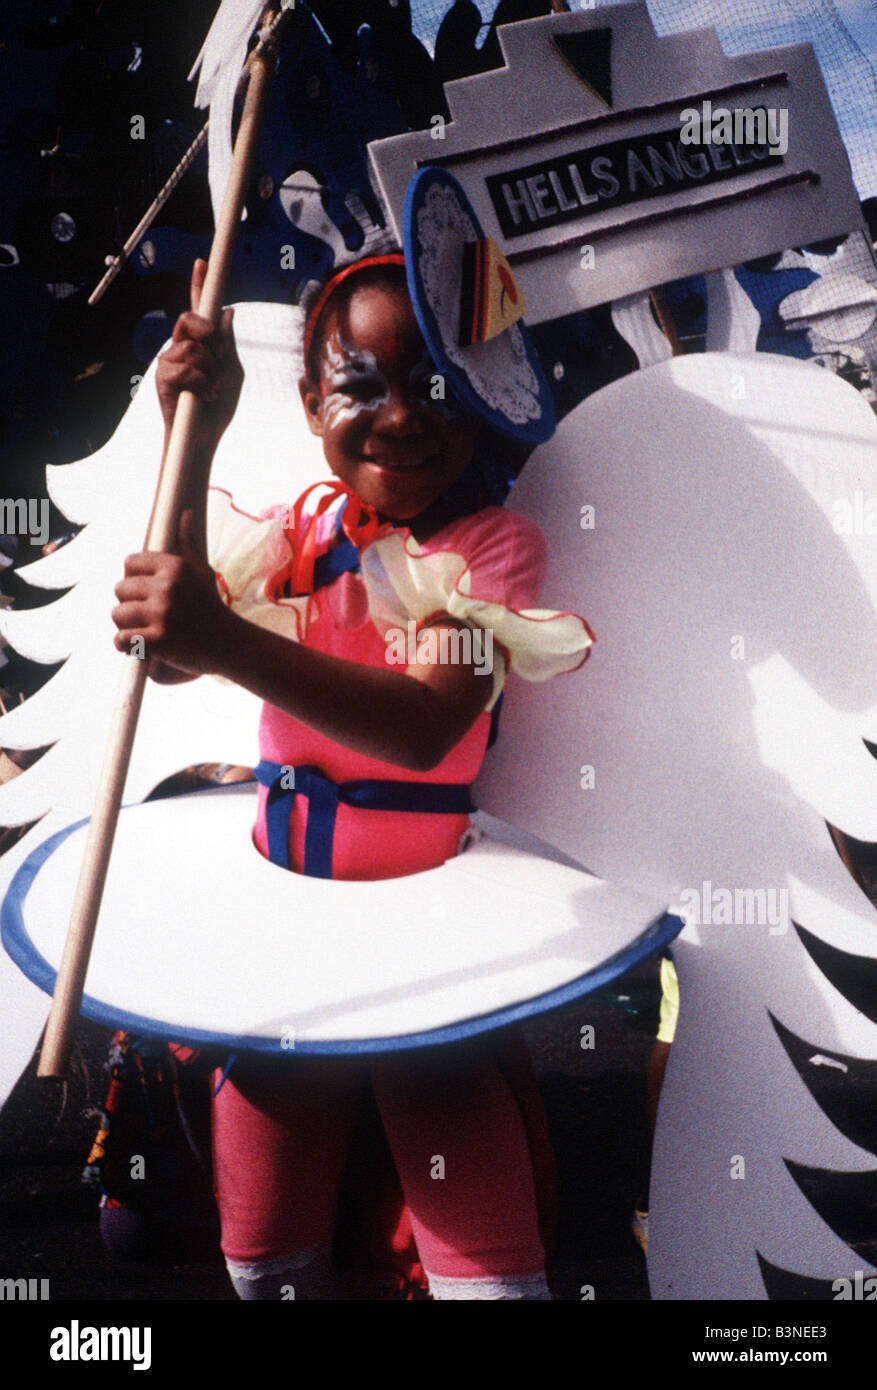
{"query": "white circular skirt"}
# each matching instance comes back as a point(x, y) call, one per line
point(202, 940)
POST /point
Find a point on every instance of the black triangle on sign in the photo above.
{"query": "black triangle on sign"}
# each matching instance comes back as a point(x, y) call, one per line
point(590, 57)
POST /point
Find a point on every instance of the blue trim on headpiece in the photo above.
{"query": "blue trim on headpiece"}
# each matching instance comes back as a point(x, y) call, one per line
point(532, 431)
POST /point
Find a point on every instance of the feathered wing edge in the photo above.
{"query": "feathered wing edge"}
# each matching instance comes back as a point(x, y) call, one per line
point(218, 67)
point(268, 455)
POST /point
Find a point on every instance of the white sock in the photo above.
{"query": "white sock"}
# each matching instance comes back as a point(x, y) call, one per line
point(502, 1286)
point(307, 1274)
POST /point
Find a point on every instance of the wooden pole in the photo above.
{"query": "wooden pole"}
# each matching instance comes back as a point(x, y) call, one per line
point(162, 535)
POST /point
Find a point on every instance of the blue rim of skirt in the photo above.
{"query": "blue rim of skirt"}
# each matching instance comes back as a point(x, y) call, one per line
point(22, 951)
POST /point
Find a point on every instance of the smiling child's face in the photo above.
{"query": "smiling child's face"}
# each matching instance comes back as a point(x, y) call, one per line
point(382, 433)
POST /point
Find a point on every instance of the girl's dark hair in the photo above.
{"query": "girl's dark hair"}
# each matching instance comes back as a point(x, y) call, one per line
point(339, 301)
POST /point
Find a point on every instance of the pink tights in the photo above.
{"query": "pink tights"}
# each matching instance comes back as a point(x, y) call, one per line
point(281, 1131)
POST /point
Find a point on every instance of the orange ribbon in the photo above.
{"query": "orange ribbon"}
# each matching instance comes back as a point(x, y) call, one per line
point(359, 522)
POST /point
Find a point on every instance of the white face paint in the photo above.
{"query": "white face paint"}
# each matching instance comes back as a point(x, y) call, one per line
point(355, 384)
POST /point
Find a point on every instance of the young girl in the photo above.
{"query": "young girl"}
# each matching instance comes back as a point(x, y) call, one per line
point(285, 612)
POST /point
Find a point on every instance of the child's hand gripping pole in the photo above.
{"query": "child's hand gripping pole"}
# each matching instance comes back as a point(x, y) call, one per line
point(161, 536)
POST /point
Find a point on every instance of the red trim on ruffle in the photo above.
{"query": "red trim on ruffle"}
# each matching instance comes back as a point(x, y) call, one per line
point(280, 577)
point(224, 590)
point(551, 617)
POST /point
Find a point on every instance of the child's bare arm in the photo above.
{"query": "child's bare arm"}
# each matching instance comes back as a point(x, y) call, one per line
point(201, 359)
point(412, 718)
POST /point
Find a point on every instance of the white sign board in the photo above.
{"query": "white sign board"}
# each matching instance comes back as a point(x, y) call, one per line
point(581, 141)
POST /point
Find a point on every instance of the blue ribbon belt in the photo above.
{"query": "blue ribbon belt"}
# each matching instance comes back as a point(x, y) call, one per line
point(284, 782)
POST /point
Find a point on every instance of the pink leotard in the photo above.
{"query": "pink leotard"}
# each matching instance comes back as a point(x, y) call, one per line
point(503, 558)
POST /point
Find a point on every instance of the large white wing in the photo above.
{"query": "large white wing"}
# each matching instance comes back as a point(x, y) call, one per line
point(709, 517)
point(729, 570)
point(110, 494)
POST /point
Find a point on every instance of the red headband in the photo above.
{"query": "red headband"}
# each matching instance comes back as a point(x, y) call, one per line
point(331, 285)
